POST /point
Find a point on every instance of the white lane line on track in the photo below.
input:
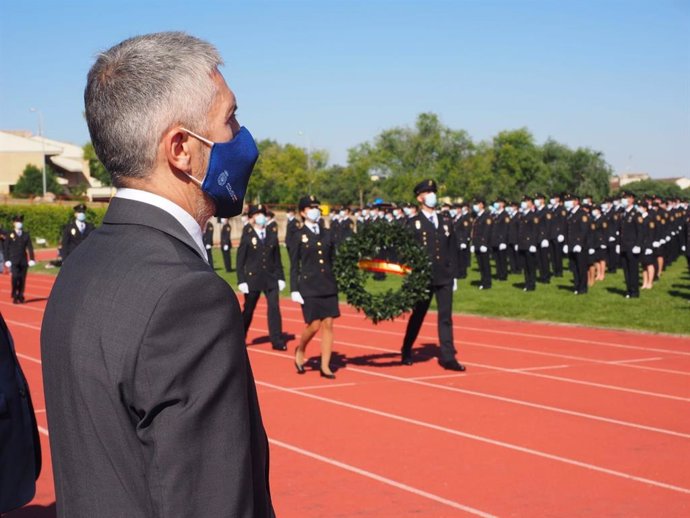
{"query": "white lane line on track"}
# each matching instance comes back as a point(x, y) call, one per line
point(29, 358)
point(44, 431)
point(22, 324)
point(382, 479)
point(319, 387)
point(634, 360)
point(503, 399)
point(479, 438)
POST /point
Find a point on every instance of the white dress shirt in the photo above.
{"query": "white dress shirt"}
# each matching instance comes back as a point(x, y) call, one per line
point(177, 212)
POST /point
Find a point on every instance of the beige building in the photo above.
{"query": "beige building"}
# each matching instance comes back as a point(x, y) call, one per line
point(19, 149)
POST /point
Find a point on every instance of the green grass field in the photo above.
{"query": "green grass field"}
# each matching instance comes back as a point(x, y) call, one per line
point(665, 309)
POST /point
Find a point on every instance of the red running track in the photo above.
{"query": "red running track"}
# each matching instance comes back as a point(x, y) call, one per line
point(549, 420)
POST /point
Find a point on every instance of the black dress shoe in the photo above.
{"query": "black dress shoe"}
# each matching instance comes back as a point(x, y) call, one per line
point(279, 347)
point(452, 365)
point(406, 357)
point(327, 376)
point(300, 368)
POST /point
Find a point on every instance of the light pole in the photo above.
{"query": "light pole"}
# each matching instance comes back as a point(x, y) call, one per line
point(303, 134)
point(43, 145)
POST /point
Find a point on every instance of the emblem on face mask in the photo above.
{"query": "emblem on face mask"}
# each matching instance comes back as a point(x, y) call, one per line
point(222, 178)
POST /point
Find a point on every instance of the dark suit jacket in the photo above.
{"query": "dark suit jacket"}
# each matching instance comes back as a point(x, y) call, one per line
point(20, 448)
point(17, 247)
point(311, 263)
point(439, 244)
point(151, 402)
point(259, 263)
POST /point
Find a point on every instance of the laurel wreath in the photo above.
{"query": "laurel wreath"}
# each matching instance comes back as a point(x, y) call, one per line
point(375, 240)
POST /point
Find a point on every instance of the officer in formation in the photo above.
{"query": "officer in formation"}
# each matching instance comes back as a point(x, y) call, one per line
point(434, 232)
point(207, 239)
point(226, 243)
point(260, 270)
point(76, 231)
point(19, 256)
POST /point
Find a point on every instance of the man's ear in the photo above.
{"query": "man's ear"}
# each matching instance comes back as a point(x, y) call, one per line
point(177, 144)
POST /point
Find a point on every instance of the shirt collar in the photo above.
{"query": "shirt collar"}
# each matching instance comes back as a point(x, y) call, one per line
point(182, 216)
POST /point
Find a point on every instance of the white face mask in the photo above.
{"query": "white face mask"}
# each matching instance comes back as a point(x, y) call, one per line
point(539, 203)
point(624, 203)
point(552, 201)
point(407, 211)
point(18, 225)
point(453, 213)
point(81, 216)
point(313, 214)
point(260, 220)
point(430, 200)
point(476, 208)
point(568, 204)
point(523, 205)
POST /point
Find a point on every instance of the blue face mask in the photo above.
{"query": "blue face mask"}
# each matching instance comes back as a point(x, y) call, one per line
point(81, 216)
point(430, 200)
point(229, 168)
point(476, 208)
point(260, 220)
point(568, 204)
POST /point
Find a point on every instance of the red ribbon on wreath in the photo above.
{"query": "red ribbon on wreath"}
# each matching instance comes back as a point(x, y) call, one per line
point(379, 265)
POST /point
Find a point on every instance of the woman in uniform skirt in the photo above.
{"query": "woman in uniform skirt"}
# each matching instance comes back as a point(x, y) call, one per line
point(312, 283)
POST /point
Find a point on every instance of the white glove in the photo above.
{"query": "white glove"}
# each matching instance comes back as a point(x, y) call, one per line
point(472, 249)
point(226, 247)
point(463, 246)
point(648, 251)
point(482, 249)
point(533, 249)
point(565, 249)
point(636, 250)
point(545, 243)
point(297, 297)
point(32, 263)
point(673, 232)
point(618, 249)
point(516, 248)
point(560, 238)
point(603, 247)
point(502, 246)
point(243, 287)
point(612, 239)
point(208, 247)
point(455, 285)
point(8, 264)
point(577, 249)
point(655, 244)
point(281, 284)
point(591, 251)
point(682, 248)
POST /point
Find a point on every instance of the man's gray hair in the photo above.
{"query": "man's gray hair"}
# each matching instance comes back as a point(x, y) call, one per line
point(142, 87)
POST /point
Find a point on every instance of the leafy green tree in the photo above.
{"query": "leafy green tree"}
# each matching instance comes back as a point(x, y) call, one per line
point(30, 183)
point(589, 173)
point(96, 168)
point(339, 185)
point(517, 165)
point(655, 188)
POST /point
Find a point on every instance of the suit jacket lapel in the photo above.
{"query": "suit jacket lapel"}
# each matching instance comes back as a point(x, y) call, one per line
point(129, 212)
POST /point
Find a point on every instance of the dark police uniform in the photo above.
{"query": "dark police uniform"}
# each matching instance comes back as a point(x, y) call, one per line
point(292, 226)
point(463, 234)
point(439, 243)
point(311, 269)
point(543, 230)
point(481, 236)
point(577, 228)
point(207, 239)
point(499, 243)
point(528, 238)
point(259, 266)
point(557, 230)
point(226, 245)
point(17, 246)
point(74, 233)
point(631, 247)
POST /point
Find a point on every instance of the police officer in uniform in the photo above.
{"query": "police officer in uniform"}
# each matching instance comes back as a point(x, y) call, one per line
point(293, 224)
point(435, 234)
point(312, 283)
point(557, 234)
point(576, 247)
point(226, 243)
point(260, 269)
point(528, 237)
point(463, 233)
point(545, 217)
point(76, 231)
point(17, 247)
point(481, 240)
point(631, 246)
point(207, 239)
point(499, 239)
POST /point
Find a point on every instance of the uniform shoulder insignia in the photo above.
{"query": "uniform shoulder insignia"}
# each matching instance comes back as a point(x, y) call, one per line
point(73, 232)
point(604, 224)
point(536, 221)
point(663, 221)
point(254, 241)
point(274, 229)
point(651, 224)
point(466, 223)
point(584, 219)
point(615, 217)
point(11, 235)
point(658, 217)
point(305, 238)
point(489, 221)
point(564, 213)
point(417, 224)
point(593, 226)
point(299, 225)
point(548, 215)
point(640, 220)
point(507, 220)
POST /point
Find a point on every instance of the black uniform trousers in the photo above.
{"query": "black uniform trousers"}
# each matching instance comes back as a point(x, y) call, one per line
point(529, 259)
point(226, 259)
point(464, 258)
point(209, 256)
point(578, 265)
point(18, 280)
point(501, 258)
point(484, 263)
point(631, 268)
point(514, 259)
point(612, 259)
point(557, 258)
point(275, 326)
point(543, 263)
point(444, 300)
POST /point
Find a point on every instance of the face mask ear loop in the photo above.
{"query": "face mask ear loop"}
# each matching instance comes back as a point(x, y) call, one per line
point(204, 140)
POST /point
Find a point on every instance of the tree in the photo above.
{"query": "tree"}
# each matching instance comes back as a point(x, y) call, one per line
point(589, 173)
point(654, 188)
point(96, 168)
point(517, 165)
point(30, 183)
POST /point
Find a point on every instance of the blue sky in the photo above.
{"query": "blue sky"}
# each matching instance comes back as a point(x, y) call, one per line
point(610, 75)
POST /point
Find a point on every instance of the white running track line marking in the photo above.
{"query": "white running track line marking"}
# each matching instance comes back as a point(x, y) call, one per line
point(379, 478)
point(318, 387)
point(479, 438)
point(503, 399)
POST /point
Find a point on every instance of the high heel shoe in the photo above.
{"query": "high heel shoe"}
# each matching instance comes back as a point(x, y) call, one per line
point(326, 375)
point(300, 368)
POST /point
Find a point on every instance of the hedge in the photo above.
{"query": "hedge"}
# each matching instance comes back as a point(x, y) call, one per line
point(46, 221)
